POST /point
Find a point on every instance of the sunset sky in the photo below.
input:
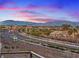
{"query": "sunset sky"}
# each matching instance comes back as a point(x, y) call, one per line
point(39, 11)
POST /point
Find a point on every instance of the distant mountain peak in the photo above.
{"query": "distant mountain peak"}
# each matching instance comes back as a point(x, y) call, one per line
point(54, 23)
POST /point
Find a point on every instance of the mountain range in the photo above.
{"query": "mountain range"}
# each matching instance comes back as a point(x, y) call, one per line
point(23, 23)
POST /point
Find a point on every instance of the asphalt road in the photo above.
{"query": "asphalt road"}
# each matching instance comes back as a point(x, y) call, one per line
point(39, 49)
point(62, 43)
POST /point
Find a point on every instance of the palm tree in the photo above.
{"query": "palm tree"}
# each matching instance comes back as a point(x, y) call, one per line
point(66, 26)
point(74, 30)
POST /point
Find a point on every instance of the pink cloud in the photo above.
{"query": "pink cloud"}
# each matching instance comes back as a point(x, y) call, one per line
point(39, 21)
point(32, 18)
point(31, 6)
point(74, 14)
point(15, 8)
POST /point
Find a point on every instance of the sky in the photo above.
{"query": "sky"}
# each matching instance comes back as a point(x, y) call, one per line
point(39, 11)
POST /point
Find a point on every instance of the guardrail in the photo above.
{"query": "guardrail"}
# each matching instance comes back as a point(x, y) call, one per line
point(26, 54)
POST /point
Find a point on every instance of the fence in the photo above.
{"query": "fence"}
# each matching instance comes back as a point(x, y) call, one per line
point(20, 54)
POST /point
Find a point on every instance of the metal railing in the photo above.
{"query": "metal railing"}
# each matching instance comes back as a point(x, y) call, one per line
point(26, 54)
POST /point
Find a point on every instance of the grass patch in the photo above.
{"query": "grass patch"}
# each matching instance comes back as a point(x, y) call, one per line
point(57, 47)
point(75, 50)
